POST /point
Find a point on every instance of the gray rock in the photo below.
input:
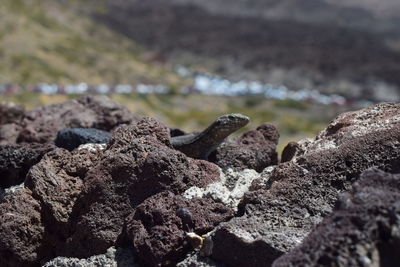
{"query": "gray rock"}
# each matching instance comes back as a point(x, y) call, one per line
point(121, 257)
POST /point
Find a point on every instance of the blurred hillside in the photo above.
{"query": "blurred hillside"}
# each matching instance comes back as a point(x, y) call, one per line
point(47, 41)
point(347, 47)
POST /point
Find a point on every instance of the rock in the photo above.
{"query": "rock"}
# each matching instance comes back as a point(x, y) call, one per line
point(255, 149)
point(9, 133)
point(21, 230)
point(158, 225)
point(363, 230)
point(11, 113)
point(229, 190)
point(42, 124)
point(121, 257)
point(16, 160)
point(195, 260)
point(137, 164)
point(299, 193)
point(71, 138)
point(56, 181)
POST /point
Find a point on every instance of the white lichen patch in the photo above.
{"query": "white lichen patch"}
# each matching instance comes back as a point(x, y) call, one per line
point(229, 190)
point(93, 147)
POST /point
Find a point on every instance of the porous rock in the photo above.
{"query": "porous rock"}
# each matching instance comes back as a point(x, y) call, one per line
point(16, 160)
point(255, 149)
point(299, 193)
point(11, 112)
point(71, 138)
point(21, 230)
point(229, 190)
point(158, 225)
point(120, 257)
point(96, 111)
point(363, 230)
point(137, 164)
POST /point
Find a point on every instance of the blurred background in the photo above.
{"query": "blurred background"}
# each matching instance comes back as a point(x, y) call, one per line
point(296, 63)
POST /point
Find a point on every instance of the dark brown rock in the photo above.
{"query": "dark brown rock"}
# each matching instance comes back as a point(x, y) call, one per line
point(42, 124)
point(16, 160)
point(255, 149)
point(21, 230)
point(158, 225)
point(299, 193)
point(11, 113)
point(362, 231)
point(139, 163)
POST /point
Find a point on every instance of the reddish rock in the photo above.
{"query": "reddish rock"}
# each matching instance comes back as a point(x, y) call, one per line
point(56, 181)
point(299, 193)
point(157, 227)
point(16, 160)
point(139, 163)
point(363, 230)
point(255, 149)
point(42, 124)
point(21, 230)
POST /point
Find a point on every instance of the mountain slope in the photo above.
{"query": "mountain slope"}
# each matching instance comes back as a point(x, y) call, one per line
point(46, 41)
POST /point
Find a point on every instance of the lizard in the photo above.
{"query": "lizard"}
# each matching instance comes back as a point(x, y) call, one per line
point(200, 145)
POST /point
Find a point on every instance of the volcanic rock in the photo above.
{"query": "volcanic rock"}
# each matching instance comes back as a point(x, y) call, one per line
point(21, 230)
point(158, 225)
point(16, 160)
point(255, 149)
point(363, 230)
point(138, 163)
point(11, 112)
point(299, 193)
point(120, 257)
point(42, 124)
point(71, 138)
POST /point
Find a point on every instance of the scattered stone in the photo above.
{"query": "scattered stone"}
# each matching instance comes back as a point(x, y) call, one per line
point(137, 164)
point(121, 257)
point(229, 190)
point(300, 192)
point(363, 230)
point(255, 149)
point(157, 231)
point(95, 111)
point(71, 138)
point(16, 160)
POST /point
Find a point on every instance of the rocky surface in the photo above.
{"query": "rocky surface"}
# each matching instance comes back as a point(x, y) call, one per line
point(158, 226)
point(71, 138)
point(16, 160)
point(255, 149)
point(120, 257)
point(363, 230)
point(42, 124)
point(299, 193)
point(137, 193)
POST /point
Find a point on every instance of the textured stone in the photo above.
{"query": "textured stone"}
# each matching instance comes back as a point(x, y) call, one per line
point(138, 163)
point(255, 149)
point(16, 160)
point(42, 124)
point(21, 230)
point(229, 190)
point(363, 230)
point(71, 138)
point(299, 193)
point(121, 257)
point(11, 112)
point(157, 227)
